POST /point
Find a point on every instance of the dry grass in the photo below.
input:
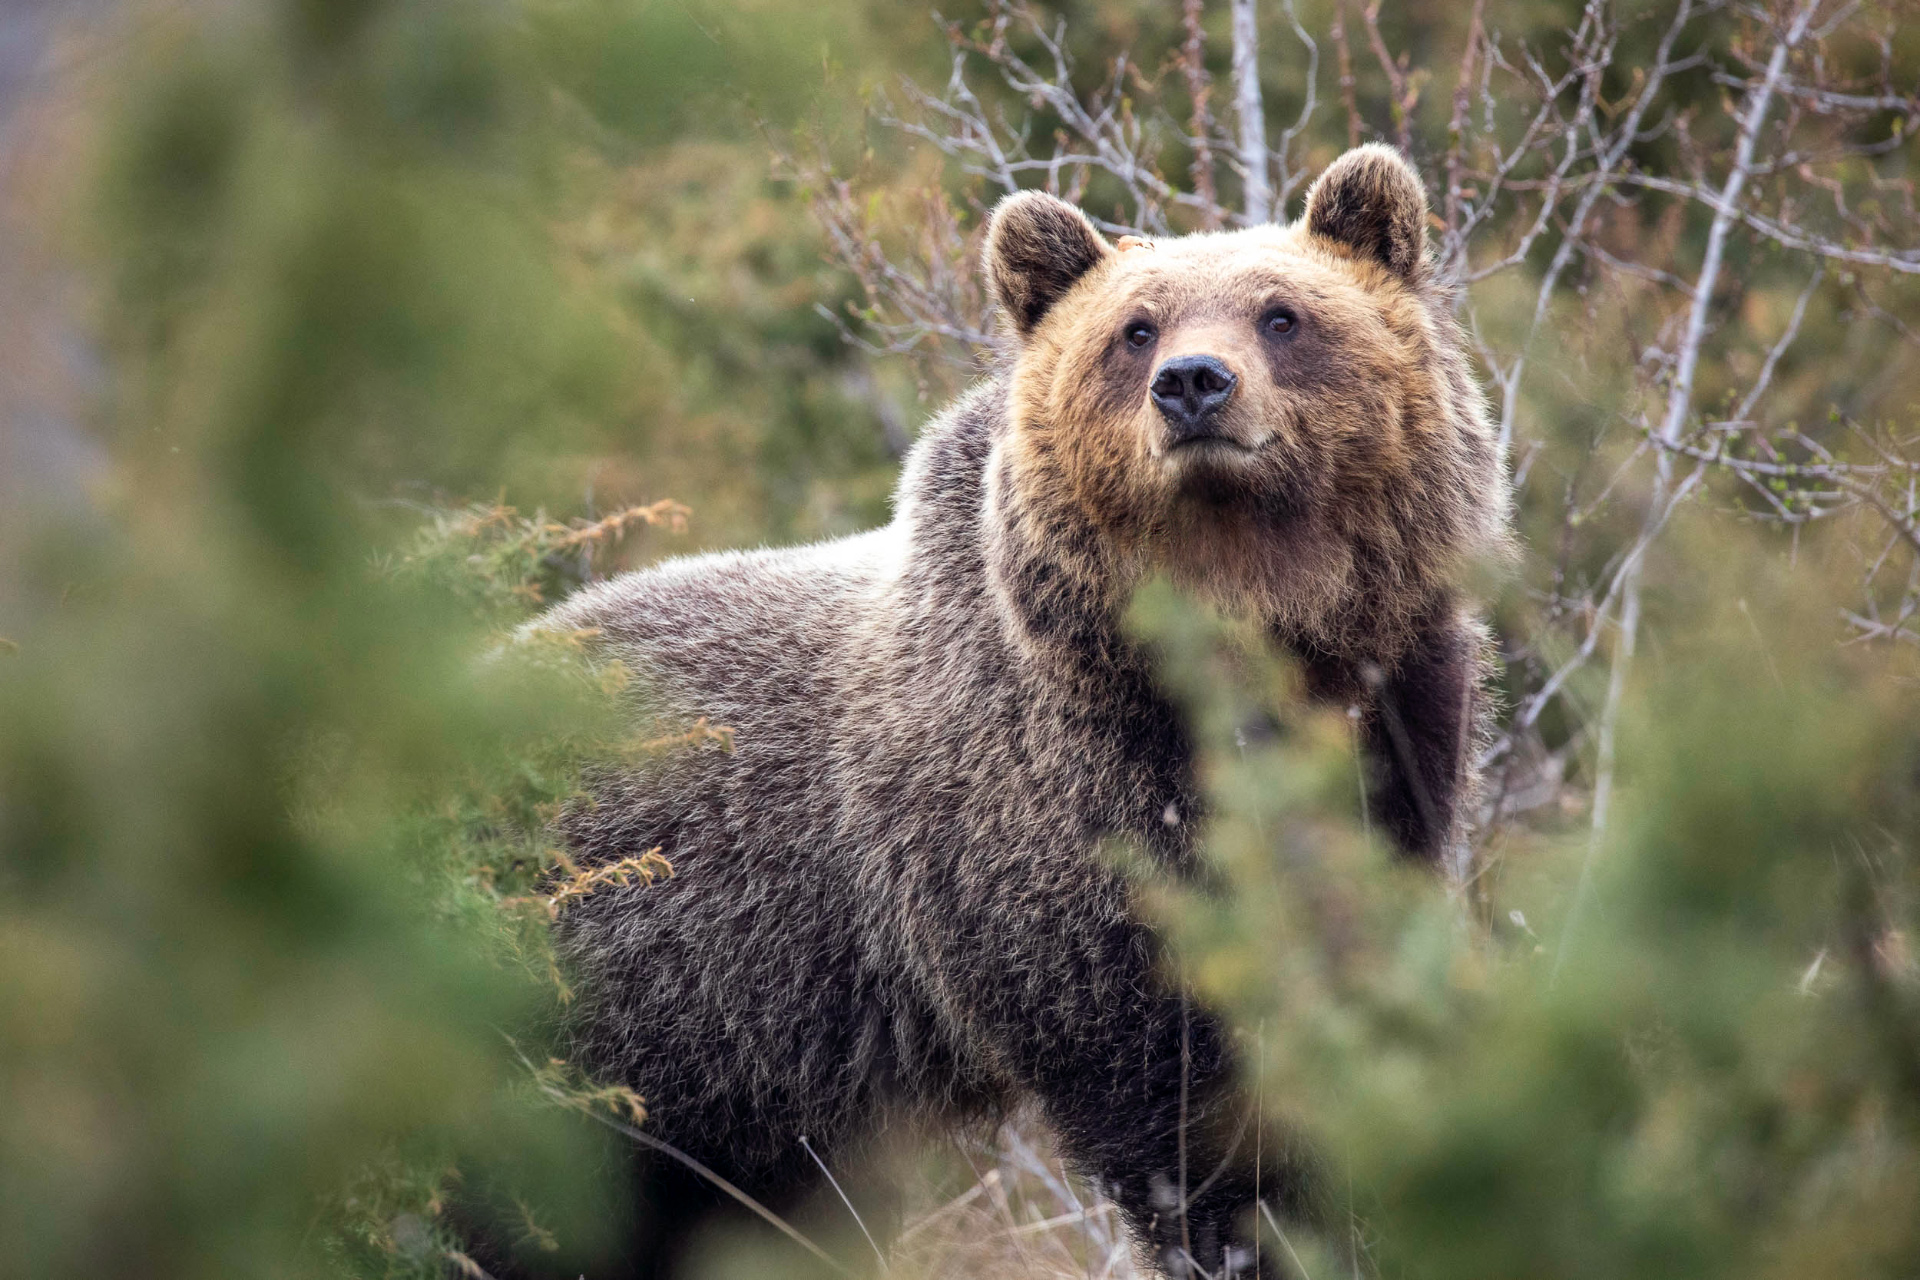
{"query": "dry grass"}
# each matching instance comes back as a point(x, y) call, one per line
point(1021, 1214)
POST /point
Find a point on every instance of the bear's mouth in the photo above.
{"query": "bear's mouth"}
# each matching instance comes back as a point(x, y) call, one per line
point(1226, 476)
point(1200, 444)
point(1200, 448)
point(1199, 457)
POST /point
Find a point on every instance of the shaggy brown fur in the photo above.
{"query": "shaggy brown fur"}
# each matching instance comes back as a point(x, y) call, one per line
point(888, 899)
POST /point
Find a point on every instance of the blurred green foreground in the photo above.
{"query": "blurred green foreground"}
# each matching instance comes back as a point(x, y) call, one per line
point(374, 286)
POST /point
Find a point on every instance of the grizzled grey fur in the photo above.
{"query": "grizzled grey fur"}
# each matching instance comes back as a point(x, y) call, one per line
point(888, 898)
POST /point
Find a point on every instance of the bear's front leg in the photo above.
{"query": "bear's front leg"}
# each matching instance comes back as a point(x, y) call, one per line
point(1172, 1143)
point(1419, 717)
point(1066, 996)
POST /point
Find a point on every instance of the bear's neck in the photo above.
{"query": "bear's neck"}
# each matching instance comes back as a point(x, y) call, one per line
point(1058, 584)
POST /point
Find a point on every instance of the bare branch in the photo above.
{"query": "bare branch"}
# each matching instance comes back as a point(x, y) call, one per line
point(1193, 69)
point(1348, 96)
point(1258, 202)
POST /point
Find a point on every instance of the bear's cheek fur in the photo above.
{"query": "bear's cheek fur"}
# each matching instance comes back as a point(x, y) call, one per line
point(1081, 424)
point(1362, 403)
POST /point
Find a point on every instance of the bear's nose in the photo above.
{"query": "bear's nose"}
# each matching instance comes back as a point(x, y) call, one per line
point(1189, 391)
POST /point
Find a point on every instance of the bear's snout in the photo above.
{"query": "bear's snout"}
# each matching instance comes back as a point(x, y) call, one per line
point(1190, 392)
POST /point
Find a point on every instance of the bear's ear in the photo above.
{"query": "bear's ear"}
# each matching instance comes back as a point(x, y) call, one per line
point(1371, 200)
point(1037, 246)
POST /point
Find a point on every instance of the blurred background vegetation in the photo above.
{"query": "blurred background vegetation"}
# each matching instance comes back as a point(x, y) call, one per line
point(339, 335)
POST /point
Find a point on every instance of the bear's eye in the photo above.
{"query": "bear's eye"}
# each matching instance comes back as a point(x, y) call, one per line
point(1140, 333)
point(1281, 323)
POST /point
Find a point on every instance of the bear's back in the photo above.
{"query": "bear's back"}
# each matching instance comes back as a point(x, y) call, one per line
point(735, 633)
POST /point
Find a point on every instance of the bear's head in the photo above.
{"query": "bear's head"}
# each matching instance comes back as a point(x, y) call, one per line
point(1282, 417)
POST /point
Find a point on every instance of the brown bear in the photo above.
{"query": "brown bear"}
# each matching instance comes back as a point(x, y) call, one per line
point(889, 899)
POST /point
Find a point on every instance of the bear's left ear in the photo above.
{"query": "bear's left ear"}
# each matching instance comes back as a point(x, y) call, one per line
point(1371, 200)
point(1037, 247)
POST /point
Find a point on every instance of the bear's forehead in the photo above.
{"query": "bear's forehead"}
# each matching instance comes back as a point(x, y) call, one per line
point(1230, 270)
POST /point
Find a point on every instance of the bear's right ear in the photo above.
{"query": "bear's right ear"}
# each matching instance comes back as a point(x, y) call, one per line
point(1037, 247)
point(1371, 200)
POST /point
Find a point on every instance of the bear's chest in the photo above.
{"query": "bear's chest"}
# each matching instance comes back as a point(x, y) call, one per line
point(1009, 765)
